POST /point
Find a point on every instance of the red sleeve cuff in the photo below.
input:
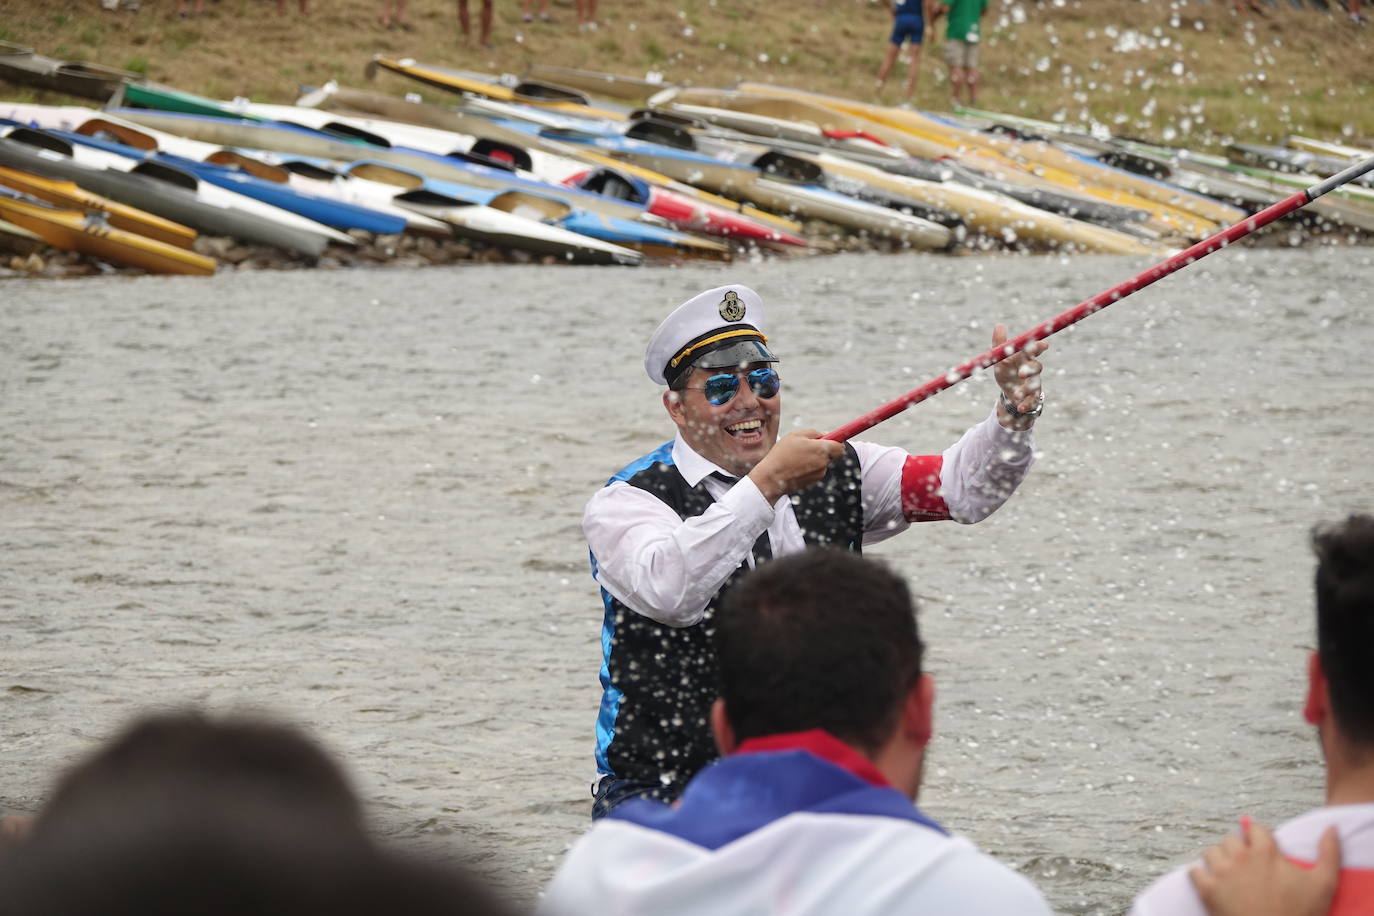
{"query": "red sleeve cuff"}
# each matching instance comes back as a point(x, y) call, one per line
point(921, 501)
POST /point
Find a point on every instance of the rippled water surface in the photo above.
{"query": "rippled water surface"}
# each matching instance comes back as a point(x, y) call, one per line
point(353, 498)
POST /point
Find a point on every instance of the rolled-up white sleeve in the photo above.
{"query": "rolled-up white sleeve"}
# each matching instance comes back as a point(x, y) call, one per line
point(981, 471)
point(977, 475)
point(665, 567)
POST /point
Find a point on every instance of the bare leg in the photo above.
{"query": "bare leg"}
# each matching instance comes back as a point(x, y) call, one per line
point(913, 70)
point(972, 80)
point(463, 16)
point(889, 58)
point(486, 23)
point(591, 13)
point(956, 82)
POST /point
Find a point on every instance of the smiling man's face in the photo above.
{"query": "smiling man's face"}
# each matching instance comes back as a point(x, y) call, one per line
point(735, 435)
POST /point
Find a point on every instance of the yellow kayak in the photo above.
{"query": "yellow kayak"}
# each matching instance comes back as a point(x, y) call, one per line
point(629, 89)
point(930, 145)
point(994, 215)
point(458, 81)
point(121, 216)
point(803, 110)
point(1327, 148)
point(73, 230)
point(1192, 214)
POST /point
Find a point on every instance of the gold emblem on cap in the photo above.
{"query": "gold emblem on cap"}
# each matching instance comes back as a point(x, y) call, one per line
point(731, 308)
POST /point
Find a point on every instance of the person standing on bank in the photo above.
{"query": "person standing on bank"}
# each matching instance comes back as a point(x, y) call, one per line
point(962, 34)
point(673, 531)
point(908, 25)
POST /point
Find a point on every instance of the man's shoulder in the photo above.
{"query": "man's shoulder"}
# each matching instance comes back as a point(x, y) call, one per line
point(975, 882)
point(857, 864)
point(659, 458)
point(1171, 894)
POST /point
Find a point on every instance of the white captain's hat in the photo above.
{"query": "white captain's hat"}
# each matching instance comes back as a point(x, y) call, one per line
point(720, 327)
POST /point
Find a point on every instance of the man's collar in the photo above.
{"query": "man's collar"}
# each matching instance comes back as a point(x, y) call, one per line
point(822, 744)
point(693, 468)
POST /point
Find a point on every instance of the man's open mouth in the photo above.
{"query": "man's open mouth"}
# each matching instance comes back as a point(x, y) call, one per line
point(744, 428)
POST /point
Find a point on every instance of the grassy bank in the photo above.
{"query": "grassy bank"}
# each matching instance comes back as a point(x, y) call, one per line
point(1188, 72)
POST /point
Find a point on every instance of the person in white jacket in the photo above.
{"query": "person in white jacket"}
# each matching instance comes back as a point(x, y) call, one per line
point(823, 719)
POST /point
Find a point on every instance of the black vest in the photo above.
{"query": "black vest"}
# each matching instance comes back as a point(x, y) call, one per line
point(666, 676)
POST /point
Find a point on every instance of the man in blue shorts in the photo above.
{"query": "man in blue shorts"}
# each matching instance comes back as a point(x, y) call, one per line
point(908, 25)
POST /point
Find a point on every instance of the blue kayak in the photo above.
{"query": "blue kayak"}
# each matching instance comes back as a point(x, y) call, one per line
point(595, 225)
point(334, 213)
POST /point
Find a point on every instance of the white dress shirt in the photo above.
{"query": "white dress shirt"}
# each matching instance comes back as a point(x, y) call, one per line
point(668, 568)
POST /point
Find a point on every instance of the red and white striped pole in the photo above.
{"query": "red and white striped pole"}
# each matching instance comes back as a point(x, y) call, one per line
point(1100, 301)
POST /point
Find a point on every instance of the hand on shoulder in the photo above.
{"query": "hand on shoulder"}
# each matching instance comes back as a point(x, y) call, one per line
point(1247, 875)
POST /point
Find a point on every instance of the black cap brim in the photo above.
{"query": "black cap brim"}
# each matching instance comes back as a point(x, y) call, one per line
point(735, 353)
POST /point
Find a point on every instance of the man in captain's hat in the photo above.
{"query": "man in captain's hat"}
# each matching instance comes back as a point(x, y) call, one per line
point(672, 531)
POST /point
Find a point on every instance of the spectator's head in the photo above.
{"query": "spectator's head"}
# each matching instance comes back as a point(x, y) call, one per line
point(184, 814)
point(1341, 688)
point(825, 639)
point(187, 755)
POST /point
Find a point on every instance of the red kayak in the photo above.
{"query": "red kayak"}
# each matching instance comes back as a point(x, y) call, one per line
point(682, 210)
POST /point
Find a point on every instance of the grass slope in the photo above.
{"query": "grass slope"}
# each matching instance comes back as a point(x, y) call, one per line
point(1181, 71)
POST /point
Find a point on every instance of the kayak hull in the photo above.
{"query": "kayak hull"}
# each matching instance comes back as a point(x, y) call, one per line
point(73, 230)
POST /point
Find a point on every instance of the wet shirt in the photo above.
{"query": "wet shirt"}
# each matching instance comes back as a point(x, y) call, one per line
point(669, 569)
point(667, 535)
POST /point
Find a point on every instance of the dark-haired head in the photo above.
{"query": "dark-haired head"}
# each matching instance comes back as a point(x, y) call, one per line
point(187, 753)
point(184, 813)
point(1345, 622)
point(822, 639)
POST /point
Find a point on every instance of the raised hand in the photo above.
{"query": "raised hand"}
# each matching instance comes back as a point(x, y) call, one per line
point(795, 462)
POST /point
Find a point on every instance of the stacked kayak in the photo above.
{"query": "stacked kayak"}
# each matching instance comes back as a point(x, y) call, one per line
point(587, 167)
point(440, 155)
point(90, 232)
point(120, 216)
point(162, 189)
point(19, 64)
point(708, 212)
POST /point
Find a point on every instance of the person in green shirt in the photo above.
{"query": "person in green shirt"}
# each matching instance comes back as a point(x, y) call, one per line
point(961, 43)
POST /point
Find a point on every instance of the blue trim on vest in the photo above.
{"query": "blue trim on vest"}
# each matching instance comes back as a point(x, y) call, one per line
point(746, 792)
point(610, 694)
point(661, 455)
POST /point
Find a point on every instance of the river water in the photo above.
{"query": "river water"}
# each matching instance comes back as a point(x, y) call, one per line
point(352, 498)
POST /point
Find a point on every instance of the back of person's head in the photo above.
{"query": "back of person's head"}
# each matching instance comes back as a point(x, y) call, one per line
point(820, 639)
point(222, 860)
point(1345, 622)
point(181, 813)
point(189, 754)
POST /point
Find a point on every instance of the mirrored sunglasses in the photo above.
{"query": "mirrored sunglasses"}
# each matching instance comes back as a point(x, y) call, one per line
point(720, 389)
